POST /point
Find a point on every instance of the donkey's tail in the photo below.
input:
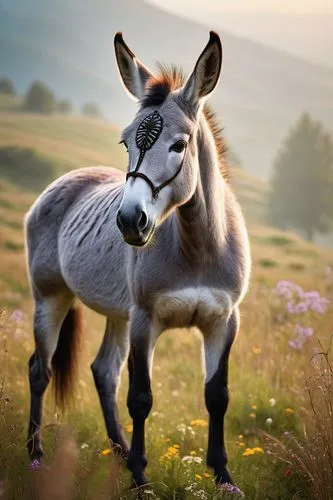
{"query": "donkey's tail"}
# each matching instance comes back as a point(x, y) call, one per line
point(65, 358)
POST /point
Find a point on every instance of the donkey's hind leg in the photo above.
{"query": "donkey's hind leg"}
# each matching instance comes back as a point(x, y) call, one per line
point(49, 316)
point(106, 371)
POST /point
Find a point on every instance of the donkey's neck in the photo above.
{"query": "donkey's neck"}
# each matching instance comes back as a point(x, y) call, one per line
point(201, 221)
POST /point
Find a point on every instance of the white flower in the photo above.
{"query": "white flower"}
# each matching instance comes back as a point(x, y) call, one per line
point(272, 402)
point(268, 421)
point(84, 446)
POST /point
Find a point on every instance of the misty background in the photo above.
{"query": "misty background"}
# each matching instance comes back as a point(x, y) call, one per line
point(264, 86)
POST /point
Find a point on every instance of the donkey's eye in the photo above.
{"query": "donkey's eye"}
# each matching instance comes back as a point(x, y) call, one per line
point(125, 145)
point(178, 146)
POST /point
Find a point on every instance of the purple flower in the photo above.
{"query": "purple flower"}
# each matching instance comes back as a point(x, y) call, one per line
point(35, 464)
point(232, 489)
point(17, 316)
point(296, 344)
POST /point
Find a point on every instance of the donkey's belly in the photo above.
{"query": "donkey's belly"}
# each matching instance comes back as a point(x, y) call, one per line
point(203, 307)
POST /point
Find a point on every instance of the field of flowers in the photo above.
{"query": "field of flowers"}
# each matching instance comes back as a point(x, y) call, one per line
point(279, 430)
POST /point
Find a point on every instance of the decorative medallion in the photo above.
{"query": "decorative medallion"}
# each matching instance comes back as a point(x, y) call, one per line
point(148, 131)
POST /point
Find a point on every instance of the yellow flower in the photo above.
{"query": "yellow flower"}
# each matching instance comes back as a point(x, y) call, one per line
point(129, 428)
point(199, 422)
point(241, 443)
point(257, 449)
point(240, 436)
point(176, 446)
point(289, 411)
point(254, 407)
point(252, 451)
point(252, 415)
point(256, 349)
point(107, 451)
point(248, 452)
point(207, 474)
point(193, 452)
point(198, 477)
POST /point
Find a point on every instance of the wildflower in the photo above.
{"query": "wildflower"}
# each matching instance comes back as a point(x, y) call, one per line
point(199, 422)
point(257, 449)
point(241, 444)
point(296, 343)
point(254, 407)
point(240, 436)
point(289, 411)
point(198, 477)
point(35, 464)
point(252, 451)
point(231, 488)
point(84, 446)
point(207, 474)
point(17, 316)
point(272, 402)
point(256, 349)
point(287, 471)
point(193, 452)
point(190, 459)
point(129, 427)
point(106, 452)
point(248, 452)
point(268, 421)
point(252, 415)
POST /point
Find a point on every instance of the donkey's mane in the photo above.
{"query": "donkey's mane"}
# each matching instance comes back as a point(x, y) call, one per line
point(172, 78)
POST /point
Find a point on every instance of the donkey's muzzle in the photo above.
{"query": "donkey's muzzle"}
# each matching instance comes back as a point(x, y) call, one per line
point(134, 226)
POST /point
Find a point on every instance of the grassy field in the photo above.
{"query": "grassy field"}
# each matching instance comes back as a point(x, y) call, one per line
point(279, 440)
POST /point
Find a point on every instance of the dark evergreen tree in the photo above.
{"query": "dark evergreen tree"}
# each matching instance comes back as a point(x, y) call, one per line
point(64, 107)
point(91, 109)
point(302, 184)
point(6, 86)
point(40, 99)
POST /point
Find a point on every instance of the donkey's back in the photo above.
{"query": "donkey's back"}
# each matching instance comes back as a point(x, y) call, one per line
point(45, 219)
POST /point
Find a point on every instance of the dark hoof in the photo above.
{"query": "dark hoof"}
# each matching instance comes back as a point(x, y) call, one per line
point(138, 482)
point(224, 478)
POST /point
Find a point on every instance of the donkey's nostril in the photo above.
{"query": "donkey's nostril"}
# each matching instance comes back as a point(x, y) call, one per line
point(143, 221)
point(119, 222)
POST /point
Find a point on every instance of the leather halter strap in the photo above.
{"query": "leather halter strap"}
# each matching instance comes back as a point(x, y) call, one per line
point(155, 189)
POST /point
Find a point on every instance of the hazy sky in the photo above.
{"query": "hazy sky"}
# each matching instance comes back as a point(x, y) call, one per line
point(301, 27)
point(288, 6)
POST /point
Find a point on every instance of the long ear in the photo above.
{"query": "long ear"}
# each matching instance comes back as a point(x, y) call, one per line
point(206, 73)
point(133, 73)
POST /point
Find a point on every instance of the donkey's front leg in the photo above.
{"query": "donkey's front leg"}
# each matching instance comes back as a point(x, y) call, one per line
point(217, 348)
point(140, 398)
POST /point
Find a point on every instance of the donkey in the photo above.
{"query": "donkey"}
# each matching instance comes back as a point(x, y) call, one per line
point(163, 247)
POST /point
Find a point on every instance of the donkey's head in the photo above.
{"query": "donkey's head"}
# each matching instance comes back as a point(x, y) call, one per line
point(161, 141)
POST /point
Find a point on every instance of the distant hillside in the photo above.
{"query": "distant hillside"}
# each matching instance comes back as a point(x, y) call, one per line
point(74, 142)
point(69, 45)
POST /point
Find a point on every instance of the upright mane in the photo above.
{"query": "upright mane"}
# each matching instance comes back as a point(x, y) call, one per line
point(171, 78)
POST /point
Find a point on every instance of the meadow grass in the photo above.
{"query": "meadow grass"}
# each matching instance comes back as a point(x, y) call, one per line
point(273, 427)
point(269, 386)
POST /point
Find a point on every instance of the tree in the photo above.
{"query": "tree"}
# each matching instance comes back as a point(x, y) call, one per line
point(91, 109)
point(302, 183)
point(64, 107)
point(7, 86)
point(40, 99)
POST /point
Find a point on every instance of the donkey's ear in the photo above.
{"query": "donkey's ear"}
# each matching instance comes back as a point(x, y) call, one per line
point(133, 73)
point(206, 73)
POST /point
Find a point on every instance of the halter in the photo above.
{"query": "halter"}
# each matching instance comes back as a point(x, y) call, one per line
point(146, 136)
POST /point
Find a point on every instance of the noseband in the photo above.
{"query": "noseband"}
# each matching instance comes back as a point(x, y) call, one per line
point(146, 136)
